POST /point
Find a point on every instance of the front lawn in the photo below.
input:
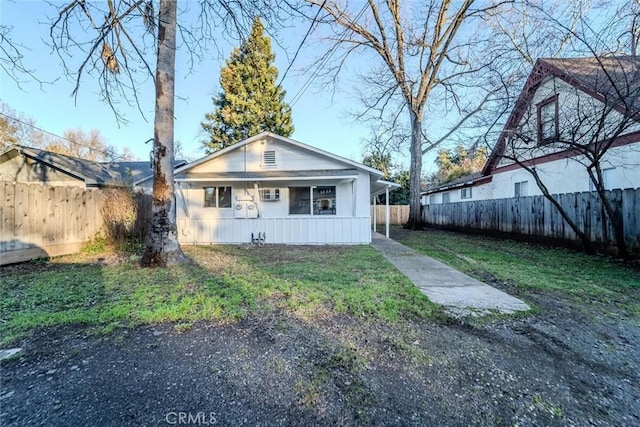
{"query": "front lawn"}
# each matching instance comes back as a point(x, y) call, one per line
point(224, 283)
point(581, 277)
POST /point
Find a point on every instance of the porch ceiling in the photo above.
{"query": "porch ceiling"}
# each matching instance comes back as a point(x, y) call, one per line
point(380, 187)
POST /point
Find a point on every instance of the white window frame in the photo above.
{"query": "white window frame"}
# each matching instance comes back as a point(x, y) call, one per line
point(521, 189)
point(312, 189)
point(609, 178)
point(216, 197)
point(464, 191)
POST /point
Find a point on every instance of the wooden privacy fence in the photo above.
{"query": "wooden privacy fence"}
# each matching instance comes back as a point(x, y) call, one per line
point(41, 220)
point(536, 216)
point(398, 214)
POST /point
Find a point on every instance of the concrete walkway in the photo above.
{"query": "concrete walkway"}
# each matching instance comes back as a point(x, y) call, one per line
point(460, 294)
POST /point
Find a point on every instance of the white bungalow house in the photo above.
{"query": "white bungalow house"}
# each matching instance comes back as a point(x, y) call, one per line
point(565, 103)
point(273, 189)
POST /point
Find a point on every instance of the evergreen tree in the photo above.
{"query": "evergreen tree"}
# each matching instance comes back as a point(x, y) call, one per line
point(250, 101)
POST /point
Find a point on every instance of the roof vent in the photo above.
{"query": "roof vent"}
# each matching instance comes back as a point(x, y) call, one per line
point(269, 157)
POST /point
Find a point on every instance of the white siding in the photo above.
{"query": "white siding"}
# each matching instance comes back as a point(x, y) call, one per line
point(249, 159)
point(569, 176)
point(298, 230)
point(571, 101)
point(351, 224)
point(478, 192)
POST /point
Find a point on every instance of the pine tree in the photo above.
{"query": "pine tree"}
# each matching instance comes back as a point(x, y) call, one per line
point(250, 101)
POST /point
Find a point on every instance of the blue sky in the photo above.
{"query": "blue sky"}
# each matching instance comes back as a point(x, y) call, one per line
point(320, 119)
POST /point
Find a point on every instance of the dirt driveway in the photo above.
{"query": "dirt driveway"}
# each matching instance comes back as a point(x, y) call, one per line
point(561, 366)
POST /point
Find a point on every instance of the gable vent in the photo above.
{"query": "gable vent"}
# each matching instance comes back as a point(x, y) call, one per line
point(269, 157)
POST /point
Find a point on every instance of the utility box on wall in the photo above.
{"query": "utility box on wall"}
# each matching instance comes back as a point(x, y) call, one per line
point(245, 207)
point(252, 210)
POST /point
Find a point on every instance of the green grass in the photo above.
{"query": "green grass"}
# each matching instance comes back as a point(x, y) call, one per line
point(224, 283)
point(529, 266)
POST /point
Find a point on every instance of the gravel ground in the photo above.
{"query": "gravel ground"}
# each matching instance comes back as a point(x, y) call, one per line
point(568, 363)
point(565, 365)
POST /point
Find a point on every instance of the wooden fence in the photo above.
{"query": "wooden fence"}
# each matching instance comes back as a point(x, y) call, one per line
point(398, 214)
point(41, 221)
point(536, 217)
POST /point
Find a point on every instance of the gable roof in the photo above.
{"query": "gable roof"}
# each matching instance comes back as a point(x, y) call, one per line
point(262, 135)
point(613, 80)
point(463, 181)
point(93, 174)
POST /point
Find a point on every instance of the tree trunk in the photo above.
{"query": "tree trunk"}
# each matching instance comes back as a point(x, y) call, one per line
point(162, 248)
point(614, 216)
point(586, 243)
point(415, 215)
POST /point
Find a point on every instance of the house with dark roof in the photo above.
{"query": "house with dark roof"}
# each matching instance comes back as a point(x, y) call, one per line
point(570, 113)
point(19, 163)
point(273, 189)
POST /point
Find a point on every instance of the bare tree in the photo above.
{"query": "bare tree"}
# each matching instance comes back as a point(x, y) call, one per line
point(422, 47)
point(628, 15)
point(12, 58)
point(383, 143)
point(591, 127)
point(89, 145)
point(115, 39)
point(586, 129)
point(162, 246)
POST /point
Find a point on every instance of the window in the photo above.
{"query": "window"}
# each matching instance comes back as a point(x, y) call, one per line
point(432, 199)
point(269, 194)
point(269, 158)
point(446, 197)
point(548, 120)
point(608, 178)
point(299, 201)
point(322, 199)
point(465, 193)
point(217, 197)
point(521, 189)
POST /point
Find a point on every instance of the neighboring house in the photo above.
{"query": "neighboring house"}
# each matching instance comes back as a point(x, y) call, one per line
point(273, 189)
point(565, 103)
point(463, 189)
point(31, 165)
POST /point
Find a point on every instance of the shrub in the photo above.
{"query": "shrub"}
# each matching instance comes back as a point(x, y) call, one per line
point(126, 217)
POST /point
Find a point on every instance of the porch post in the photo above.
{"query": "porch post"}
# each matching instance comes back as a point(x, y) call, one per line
point(386, 214)
point(375, 215)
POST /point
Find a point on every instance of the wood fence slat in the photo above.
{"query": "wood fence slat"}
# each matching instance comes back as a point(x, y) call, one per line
point(39, 220)
point(631, 215)
point(49, 224)
point(536, 216)
point(398, 214)
point(36, 219)
point(4, 210)
point(21, 218)
point(8, 217)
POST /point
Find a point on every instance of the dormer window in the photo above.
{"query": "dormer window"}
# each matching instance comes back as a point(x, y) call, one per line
point(548, 120)
point(269, 158)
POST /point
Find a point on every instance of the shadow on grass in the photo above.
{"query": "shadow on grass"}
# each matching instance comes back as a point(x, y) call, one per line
point(224, 283)
point(532, 267)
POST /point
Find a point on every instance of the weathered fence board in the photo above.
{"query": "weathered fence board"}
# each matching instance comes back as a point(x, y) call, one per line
point(536, 216)
point(398, 214)
point(39, 220)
